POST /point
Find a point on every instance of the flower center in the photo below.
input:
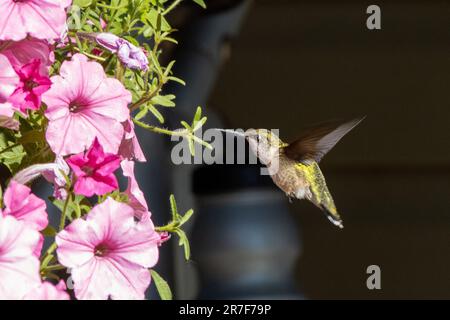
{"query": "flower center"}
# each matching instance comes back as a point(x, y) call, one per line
point(88, 170)
point(75, 107)
point(101, 250)
point(30, 85)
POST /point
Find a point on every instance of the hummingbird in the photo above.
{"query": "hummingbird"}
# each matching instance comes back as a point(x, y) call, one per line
point(294, 167)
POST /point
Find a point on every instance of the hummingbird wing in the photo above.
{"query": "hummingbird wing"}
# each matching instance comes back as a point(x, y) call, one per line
point(316, 141)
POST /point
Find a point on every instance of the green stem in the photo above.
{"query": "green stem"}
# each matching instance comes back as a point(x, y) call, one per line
point(147, 98)
point(169, 227)
point(158, 129)
point(171, 7)
point(53, 268)
point(62, 222)
point(92, 56)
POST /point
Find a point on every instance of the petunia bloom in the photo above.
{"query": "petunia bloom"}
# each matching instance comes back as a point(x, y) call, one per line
point(130, 148)
point(83, 104)
point(25, 206)
point(8, 79)
point(94, 171)
point(30, 88)
point(131, 56)
point(53, 172)
point(48, 291)
point(6, 117)
point(42, 19)
point(136, 197)
point(22, 52)
point(109, 253)
point(19, 267)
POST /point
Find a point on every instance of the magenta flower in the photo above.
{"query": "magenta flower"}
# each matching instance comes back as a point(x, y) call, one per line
point(83, 104)
point(48, 291)
point(22, 52)
point(25, 206)
point(42, 19)
point(109, 253)
point(135, 195)
point(130, 55)
point(94, 171)
point(30, 88)
point(19, 267)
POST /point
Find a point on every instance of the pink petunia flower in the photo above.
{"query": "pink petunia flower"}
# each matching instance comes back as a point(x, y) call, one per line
point(30, 88)
point(130, 148)
point(94, 171)
point(22, 52)
point(8, 79)
point(19, 267)
point(48, 291)
point(8, 82)
point(25, 206)
point(42, 19)
point(109, 253)
point(83, 104)
point(135, 195)
point(6, 117)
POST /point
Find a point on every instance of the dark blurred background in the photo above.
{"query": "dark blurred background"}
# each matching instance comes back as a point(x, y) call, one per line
point(292, 63)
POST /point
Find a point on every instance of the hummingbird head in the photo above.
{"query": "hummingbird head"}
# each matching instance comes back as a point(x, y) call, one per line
point(264, 143)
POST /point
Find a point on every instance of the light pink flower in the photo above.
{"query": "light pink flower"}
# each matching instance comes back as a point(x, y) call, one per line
point(42, 19)
point(130, 148)
point(30, 88)
point(19, 267)
point(109, 253)
point(8, 79)
point(6, 116)
point(94, 171)
point(23, 205)
point(48, 291)
point(135, 195)
point(22, 52)
point(83, 104)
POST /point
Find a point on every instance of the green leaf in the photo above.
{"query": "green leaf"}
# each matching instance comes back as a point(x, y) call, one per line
point(186, 217)
point(201, 3)
point(11, 155)
point(82, 3)
point(157, 21)
point(161, 285)
point(184, 242)
point(141, 113)
point(180, 81)
point(198, 115)
point(173, 207)
point(165, 101)
point(156, 113)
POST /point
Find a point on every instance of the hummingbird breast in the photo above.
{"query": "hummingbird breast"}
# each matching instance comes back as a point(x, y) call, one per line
point(289, 179)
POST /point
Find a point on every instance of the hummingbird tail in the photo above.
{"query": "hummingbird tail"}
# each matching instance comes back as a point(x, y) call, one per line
point(337, 221)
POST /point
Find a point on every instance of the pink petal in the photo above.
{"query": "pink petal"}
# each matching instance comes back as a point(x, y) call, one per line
point(23, 205)
point(21, 52)
point(135, 195)
point(42, 19)
point(76, 244)
point(19, 267)
point(8, 78)
point(48, 291)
